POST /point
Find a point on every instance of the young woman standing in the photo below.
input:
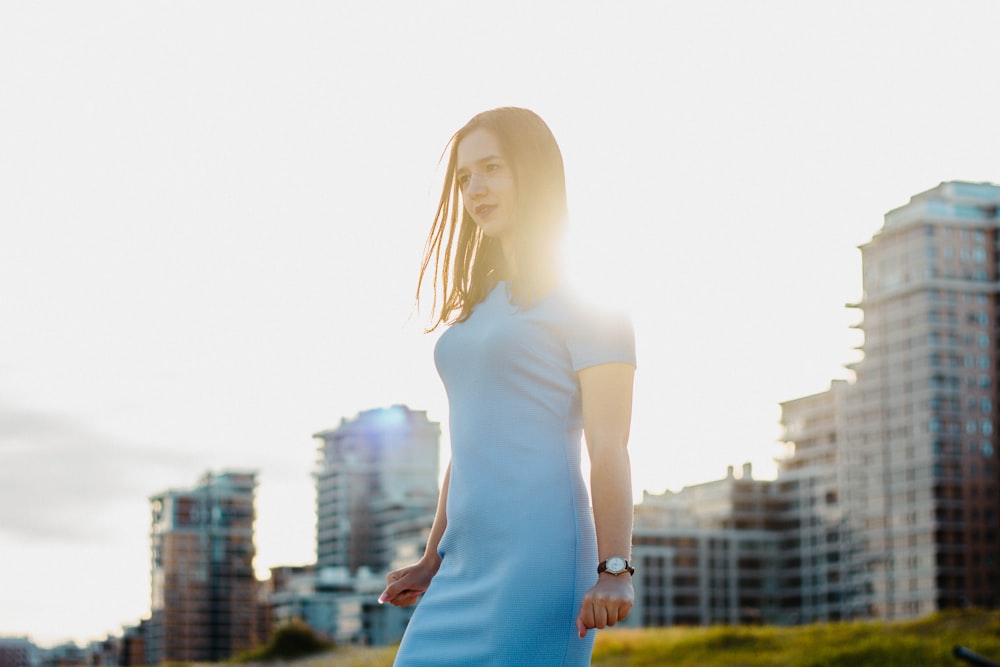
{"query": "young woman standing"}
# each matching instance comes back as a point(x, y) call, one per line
point(515, 572)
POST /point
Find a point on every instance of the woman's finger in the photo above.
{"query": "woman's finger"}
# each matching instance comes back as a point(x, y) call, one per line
point(600, 614)
point(611, 610)
point(585, 620)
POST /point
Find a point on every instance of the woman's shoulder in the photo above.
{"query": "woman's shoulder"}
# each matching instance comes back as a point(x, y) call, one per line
point(576, 302)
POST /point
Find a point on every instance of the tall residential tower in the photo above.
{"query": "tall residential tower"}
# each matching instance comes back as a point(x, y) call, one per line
point(376, 488)
point(203, 583)
point(915, 432)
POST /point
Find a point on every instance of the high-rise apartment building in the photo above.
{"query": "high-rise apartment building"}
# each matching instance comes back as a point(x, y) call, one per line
point(915, 433)
point(376, 488)
point(203, 583)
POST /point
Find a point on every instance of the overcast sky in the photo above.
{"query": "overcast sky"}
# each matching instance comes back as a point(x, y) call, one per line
point(212, 216)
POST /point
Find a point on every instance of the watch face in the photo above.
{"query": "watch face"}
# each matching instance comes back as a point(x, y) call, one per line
point(616, 564)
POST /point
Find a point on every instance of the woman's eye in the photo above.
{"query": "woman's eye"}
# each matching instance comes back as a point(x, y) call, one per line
point(463, 180)
point(490, 168)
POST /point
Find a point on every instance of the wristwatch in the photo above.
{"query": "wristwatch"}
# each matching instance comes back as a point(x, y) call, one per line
point(615, 565)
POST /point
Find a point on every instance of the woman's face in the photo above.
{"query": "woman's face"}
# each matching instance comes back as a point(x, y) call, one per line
point(487, 183)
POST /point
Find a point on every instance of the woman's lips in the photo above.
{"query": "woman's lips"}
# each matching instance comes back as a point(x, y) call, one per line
point(484, 210)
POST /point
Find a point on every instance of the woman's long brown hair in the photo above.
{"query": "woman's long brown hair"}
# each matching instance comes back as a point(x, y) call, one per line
point(466, 263)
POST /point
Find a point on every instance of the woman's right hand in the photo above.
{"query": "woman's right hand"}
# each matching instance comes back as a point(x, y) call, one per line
point(405, 585)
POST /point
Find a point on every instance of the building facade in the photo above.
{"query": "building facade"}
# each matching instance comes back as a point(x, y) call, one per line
point(18, 652)
point(914, 434)
point(203, 583)
point(816, 547)
point(711, 553)
point(338, 605)
point(376, 488)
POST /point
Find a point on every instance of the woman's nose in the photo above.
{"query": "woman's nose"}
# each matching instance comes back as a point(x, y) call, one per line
point(476, 185)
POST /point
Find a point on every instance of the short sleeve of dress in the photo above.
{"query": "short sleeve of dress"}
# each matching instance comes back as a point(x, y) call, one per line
point(599, 336)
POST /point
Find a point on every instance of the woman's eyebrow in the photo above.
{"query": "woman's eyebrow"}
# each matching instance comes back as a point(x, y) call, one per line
point(482, 160)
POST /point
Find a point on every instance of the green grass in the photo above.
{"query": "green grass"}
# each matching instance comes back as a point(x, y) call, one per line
point(926, 642)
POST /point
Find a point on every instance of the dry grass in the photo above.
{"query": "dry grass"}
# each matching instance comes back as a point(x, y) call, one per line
point(347, 656)
point(927, 642)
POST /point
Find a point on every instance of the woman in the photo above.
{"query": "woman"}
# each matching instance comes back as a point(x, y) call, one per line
point(514, 572)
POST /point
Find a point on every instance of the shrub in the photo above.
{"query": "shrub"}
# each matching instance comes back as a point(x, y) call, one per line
point(289, 642)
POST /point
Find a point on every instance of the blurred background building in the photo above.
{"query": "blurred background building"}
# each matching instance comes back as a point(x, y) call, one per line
point(886, 504)
point(911, 441)
point(376, 494)
point(376, 487)
point(203, 583)
point(18, 652)
point(710, 554)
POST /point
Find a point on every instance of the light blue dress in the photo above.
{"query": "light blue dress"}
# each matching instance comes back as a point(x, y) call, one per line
point(519, 551)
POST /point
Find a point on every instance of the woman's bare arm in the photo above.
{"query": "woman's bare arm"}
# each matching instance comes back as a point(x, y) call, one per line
point(607, 415)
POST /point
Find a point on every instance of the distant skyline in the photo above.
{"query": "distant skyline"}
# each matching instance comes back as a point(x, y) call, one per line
point(213, 216)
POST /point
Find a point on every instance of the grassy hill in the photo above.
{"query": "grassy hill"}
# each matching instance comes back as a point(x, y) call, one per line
point(925, 642)
point(915, 643)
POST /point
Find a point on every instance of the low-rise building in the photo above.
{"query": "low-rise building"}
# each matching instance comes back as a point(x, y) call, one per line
point(710, 554)
point(18, 652)
point(340, 606)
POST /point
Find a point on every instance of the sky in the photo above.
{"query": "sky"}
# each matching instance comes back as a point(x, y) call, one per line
point(212, 216)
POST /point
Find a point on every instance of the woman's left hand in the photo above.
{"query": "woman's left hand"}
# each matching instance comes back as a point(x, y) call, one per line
point(607, 603)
